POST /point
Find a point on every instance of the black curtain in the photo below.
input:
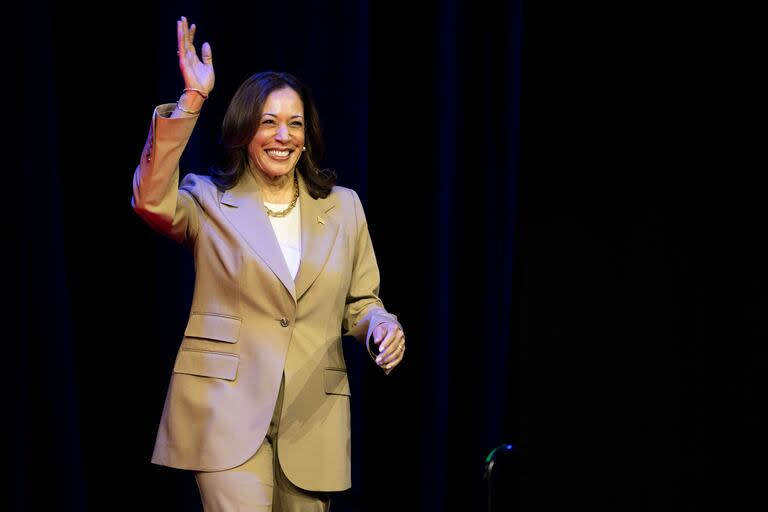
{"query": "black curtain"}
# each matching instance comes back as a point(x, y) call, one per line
point(419, 105)
point(642, 260)
point(442, 186)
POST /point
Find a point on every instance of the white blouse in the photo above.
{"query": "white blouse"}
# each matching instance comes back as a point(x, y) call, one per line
point(288, 233)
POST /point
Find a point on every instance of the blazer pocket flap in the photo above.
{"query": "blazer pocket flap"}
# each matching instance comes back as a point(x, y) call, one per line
point(336, 382)
point(207, 364)
point(214, 327)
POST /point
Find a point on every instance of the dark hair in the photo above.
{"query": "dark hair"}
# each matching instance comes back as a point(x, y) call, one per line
point(241, 122)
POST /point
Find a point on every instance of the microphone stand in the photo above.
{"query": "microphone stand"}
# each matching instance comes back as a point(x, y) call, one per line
point(488, 473)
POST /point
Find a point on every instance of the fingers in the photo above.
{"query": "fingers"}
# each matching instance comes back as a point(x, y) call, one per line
point(391, 348)
point(185, 36)
point(392, 331)
point(398, 359)
point(382, 335)
point(180, 37)
point(391, 343)
point(207, 54)
point(395, 348)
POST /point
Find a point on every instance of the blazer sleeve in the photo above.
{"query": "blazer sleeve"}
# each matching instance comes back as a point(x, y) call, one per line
point(156, 195)
point(364, 310)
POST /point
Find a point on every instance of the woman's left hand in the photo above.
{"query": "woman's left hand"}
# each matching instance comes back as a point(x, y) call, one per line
point(391, 341)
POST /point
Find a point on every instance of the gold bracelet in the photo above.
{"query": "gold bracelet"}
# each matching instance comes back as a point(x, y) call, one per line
point(198, 91)
point(193, 112)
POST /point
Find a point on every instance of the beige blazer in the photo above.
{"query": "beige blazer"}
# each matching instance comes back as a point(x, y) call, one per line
point(250, 322)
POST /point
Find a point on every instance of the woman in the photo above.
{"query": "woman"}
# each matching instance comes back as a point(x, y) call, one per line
point(258, 402)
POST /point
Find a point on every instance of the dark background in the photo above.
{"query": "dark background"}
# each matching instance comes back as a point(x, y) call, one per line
point(566, 200)
point(642, 256)
point(99, 301)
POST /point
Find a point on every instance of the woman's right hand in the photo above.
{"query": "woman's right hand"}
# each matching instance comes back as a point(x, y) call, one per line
point(196, 74)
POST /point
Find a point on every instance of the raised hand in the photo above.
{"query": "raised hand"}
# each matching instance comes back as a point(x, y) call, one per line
point(197, 74)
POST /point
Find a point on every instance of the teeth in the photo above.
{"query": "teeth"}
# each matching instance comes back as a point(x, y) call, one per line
point(274, 152)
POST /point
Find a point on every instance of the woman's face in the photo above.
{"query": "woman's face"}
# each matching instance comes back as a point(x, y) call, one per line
point(278, 142)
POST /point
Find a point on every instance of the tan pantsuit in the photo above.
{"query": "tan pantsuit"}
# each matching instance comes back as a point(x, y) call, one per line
point(251, 324)
point(259, 484)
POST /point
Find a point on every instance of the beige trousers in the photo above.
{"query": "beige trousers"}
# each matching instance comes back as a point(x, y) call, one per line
point(259, 484)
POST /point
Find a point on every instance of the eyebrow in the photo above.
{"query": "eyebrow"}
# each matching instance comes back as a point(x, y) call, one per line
point(275, 115)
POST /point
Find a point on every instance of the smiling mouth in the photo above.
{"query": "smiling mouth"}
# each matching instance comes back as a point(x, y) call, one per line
point(279, 154)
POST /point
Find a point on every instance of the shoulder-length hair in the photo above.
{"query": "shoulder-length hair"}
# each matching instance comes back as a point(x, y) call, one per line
point(241, 122)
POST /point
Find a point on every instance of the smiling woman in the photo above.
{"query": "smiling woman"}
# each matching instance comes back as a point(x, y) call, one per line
point(258, 401)
point(277, 145)
point(274, 112)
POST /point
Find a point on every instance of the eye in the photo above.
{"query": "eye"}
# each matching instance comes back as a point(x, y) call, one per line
point(268, 121)
point(298, 124)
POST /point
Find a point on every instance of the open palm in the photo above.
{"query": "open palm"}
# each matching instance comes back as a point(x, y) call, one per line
point(197, 74)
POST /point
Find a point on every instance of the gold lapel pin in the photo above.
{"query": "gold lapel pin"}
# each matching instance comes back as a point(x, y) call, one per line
point(320, 220)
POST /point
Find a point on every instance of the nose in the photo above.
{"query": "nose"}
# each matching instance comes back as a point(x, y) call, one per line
point(282, 133)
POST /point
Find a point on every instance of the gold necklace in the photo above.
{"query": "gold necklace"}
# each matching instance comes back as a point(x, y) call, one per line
point(283, 213)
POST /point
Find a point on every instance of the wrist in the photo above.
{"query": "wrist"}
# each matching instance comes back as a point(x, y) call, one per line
point(195, 90)
point(190, 101)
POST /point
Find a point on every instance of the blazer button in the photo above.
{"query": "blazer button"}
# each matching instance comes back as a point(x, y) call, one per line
point(284, 322)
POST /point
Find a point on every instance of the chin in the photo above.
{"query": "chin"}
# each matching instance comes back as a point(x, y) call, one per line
point(272, 172)
point(277, 173)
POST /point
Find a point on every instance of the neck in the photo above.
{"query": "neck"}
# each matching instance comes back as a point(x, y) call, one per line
point(275, 189)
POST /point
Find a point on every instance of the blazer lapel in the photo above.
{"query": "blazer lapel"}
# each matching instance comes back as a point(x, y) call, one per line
point(245, 209)
point(318, 233)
